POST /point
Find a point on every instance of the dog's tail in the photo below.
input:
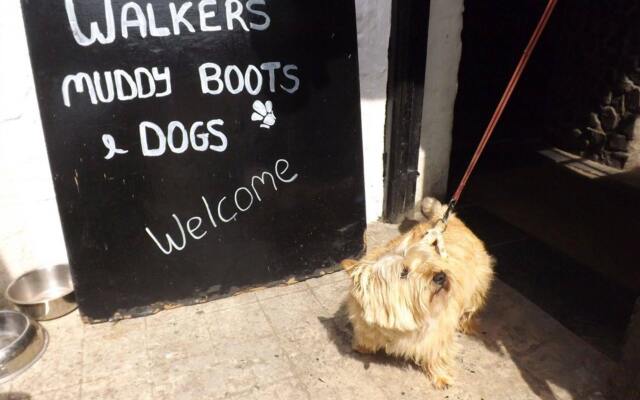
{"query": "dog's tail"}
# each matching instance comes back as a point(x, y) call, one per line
point(431, 209)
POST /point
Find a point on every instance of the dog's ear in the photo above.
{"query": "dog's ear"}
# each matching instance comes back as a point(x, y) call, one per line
point(348, 264)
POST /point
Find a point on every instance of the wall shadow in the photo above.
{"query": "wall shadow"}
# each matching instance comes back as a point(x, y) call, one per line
point(15, 396)
point(545, 355)
point(340, 333)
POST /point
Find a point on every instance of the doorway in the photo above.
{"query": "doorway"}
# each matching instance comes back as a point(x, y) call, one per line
point(555, 195)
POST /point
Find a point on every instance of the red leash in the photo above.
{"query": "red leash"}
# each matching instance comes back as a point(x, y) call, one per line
point(501, 105)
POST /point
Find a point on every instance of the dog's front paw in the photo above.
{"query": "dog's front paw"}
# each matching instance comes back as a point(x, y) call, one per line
point(439, 375)
point(442, 382)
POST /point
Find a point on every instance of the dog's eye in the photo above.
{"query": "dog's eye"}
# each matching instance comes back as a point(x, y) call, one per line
point(405, 272)
point(440, 278)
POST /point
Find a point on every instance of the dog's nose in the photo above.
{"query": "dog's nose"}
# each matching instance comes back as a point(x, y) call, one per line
point(440, 278)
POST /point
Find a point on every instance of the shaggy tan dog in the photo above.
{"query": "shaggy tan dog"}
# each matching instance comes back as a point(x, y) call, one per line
point(409, 300)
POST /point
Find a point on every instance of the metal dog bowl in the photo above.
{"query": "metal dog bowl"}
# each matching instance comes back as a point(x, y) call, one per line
point(44, 293)
point(22, 343)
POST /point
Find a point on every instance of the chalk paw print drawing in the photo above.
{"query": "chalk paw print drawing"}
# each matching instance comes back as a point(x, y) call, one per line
point(263, 113)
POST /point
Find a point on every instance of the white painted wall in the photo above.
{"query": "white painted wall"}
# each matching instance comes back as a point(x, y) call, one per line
point(444, 49)
point(30, 233)
point(374, 25)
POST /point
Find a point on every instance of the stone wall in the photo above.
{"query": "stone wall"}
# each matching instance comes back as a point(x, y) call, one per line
point(609, 129)
point(594, 87)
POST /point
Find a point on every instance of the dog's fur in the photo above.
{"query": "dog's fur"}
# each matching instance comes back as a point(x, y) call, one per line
point(401, 302)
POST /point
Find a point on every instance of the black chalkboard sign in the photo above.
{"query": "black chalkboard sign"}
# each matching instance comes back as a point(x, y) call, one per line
point(198, 147)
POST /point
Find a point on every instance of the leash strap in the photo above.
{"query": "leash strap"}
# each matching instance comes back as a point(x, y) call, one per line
point(501, 106)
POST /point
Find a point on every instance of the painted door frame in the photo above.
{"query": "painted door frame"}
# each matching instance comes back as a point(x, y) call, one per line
point(405, 92)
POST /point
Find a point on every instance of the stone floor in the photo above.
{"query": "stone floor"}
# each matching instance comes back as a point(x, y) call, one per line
point(292, 342)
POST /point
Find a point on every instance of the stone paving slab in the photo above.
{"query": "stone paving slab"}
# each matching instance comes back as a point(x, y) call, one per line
point(293, 343)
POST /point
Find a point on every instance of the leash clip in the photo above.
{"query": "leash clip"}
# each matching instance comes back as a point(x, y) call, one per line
point(445, 218)
point(435, 235)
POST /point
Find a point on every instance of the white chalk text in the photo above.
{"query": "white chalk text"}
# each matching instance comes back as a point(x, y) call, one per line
point(225, 211)
point(133, 19)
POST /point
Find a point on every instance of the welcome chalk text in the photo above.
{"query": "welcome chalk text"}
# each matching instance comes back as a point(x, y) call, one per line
point(226, 210)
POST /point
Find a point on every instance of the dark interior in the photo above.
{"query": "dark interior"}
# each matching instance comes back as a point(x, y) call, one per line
point(554, 195)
